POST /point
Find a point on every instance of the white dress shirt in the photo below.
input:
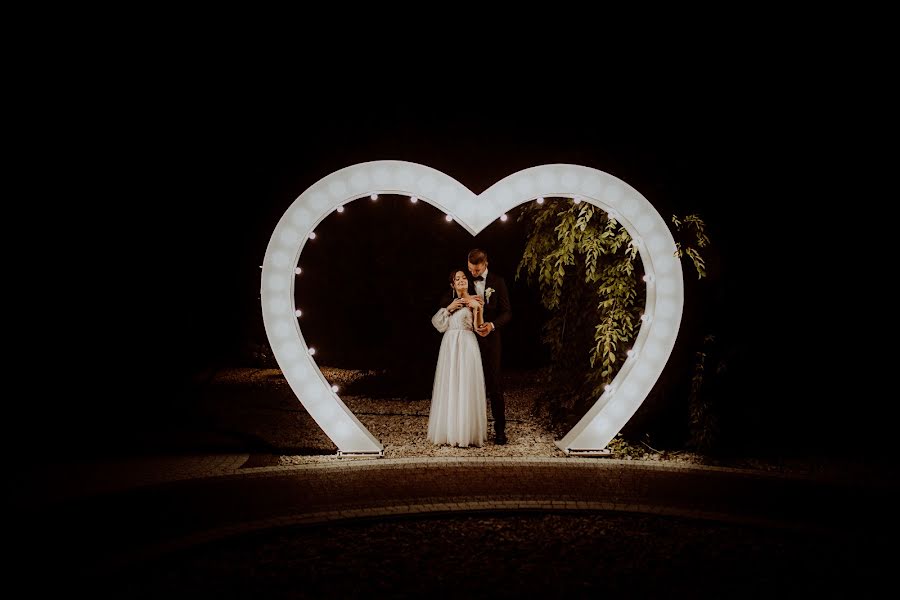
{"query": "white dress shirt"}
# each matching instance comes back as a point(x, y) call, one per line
point(479, 285)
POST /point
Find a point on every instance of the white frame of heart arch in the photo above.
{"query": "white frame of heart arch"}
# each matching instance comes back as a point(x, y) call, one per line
point(656, 247)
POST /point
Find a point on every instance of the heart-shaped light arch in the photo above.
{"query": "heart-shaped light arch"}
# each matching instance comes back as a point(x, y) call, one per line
point(656, 247)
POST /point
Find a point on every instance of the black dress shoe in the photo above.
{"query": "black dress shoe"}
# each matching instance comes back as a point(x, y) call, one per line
point(500, 438)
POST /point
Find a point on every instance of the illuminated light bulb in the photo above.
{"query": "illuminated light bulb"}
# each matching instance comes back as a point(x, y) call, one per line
point(298, 312)
point(503, 217)
point(340, 209)
point(449, 218)
point(334, 388)
point(280, 259)
point(665, 309)
point(289, 351)
point(312, 351)
point(342, 429)
point(313, 392)
point(303, 218)
point(646, 318)
point(413, 199)
point(297, 271)
point(289, 236)
point(666, 285)
point(631, 353)
point(616, 409)
point(260, 266)
point(642, 370)
point(337, 188)
point(577, 200)
point(654, 350)
point(300, 371)
point(540, 200)
point(276, 284)
point(278, 305)
point(312, 235)
point(326, 411)
point(664, 267)
point(648, 278)
point(645, 221)
point(664, 328)
point(374, 196)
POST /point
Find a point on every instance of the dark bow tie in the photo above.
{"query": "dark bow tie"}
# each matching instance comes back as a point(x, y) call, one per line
point(479, 278)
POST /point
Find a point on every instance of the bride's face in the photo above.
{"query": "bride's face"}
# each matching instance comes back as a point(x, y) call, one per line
point(460, 282)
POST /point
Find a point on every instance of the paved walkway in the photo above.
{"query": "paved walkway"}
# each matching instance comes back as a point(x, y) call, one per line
point(123, 510)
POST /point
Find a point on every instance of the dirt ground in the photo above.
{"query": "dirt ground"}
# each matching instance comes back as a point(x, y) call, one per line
point(256, 409)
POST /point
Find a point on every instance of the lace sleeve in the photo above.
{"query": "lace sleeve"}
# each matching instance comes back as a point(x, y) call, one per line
point(441, 320)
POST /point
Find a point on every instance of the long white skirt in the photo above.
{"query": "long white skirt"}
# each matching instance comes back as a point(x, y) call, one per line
point(458, 400)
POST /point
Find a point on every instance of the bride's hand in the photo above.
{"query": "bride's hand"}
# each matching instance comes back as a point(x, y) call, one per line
point(474, 304)
point(456, 305)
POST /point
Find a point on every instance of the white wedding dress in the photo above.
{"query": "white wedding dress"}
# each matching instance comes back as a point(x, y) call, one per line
point(458, 400)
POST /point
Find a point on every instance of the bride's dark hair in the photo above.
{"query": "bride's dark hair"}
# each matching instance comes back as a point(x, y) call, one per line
point(453, 281)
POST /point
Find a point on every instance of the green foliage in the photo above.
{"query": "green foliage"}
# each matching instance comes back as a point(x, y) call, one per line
point(622, 448)
point(587, 268)
point(697, 227)
point(704, 421)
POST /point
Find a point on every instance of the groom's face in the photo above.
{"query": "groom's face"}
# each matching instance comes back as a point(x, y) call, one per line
point(478, 269)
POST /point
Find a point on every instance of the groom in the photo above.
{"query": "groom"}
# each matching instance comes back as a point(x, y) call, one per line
point(491, 289)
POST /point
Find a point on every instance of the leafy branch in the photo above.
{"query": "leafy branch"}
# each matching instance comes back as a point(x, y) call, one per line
point(586, 266)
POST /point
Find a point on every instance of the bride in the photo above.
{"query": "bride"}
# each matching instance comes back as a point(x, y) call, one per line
point(458, 401)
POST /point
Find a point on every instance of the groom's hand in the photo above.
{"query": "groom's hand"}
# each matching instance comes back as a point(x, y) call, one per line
point(485, 329)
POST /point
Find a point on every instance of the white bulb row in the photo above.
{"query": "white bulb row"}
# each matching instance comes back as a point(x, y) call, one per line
point(614, 193)
point(449, 218)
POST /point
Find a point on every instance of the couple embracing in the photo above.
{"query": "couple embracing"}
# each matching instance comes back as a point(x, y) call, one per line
point(471, 317)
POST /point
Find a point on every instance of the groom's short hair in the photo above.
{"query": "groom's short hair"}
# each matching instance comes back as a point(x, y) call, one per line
point(477, 256)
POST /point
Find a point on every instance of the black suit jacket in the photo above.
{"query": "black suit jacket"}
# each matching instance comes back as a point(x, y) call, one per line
point(497, 309)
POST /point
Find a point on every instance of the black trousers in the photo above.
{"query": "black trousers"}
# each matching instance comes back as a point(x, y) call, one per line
point(490, 362)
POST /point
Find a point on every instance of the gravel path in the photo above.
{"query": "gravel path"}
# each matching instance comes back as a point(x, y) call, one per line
point(258, 404)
